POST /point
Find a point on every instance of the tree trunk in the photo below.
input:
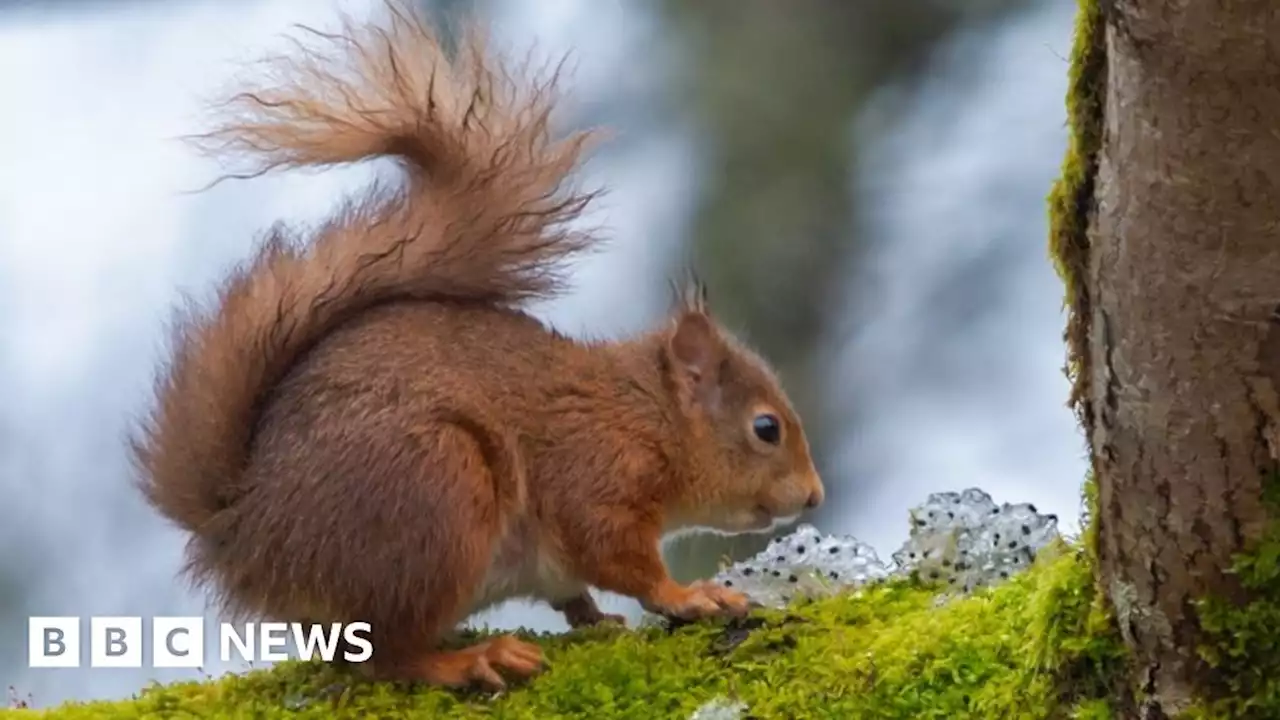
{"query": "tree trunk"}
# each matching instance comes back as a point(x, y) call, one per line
point(1175, 328)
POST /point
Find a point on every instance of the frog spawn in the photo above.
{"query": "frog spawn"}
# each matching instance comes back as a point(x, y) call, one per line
point(966, 540)
point(961, 539)
point(804, 563)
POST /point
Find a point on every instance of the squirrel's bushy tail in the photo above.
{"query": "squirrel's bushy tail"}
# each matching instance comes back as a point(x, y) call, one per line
point(481, 217)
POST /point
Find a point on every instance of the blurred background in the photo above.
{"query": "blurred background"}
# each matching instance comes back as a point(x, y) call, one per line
point(861, 183)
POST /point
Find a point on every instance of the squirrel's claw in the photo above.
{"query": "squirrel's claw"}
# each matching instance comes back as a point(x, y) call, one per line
point(704, 600)
point(480, 663)
point(731, 602)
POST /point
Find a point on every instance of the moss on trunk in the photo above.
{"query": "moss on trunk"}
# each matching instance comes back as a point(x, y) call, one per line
point(1071, 200)
point(1242, 641)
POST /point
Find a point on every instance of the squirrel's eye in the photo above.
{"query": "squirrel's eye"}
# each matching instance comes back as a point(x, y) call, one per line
point(766, 428)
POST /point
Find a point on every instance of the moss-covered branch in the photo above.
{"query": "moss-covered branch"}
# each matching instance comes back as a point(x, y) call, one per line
point(1039, 645)
point(1034, 647)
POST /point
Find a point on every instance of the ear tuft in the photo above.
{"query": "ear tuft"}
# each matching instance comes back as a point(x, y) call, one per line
point(691, 295)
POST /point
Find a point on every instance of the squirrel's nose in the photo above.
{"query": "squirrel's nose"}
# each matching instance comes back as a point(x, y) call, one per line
point(814, 483)
point(815, 499)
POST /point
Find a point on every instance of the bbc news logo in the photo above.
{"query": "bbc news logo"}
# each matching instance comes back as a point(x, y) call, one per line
point(179, 642)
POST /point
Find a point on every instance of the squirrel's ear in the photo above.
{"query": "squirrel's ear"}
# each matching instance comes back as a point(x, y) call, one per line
point(697, 352)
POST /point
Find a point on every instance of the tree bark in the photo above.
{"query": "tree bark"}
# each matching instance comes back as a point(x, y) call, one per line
point(1181, 356)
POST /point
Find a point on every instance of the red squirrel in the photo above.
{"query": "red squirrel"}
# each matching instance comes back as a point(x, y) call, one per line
point(368, 426)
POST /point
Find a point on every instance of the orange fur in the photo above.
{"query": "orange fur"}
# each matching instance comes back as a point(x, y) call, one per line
point(368, 427)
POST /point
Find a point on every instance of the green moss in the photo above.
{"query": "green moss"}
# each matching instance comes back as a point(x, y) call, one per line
point(1242, 641)
point(1033, 647)
point(1071, 203)
point(1071, 199)
point(1089, 502)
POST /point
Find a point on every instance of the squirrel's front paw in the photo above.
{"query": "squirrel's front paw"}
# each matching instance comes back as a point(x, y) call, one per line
point(700, 600)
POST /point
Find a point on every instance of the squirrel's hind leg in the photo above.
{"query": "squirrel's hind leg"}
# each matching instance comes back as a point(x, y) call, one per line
point(415, 516)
